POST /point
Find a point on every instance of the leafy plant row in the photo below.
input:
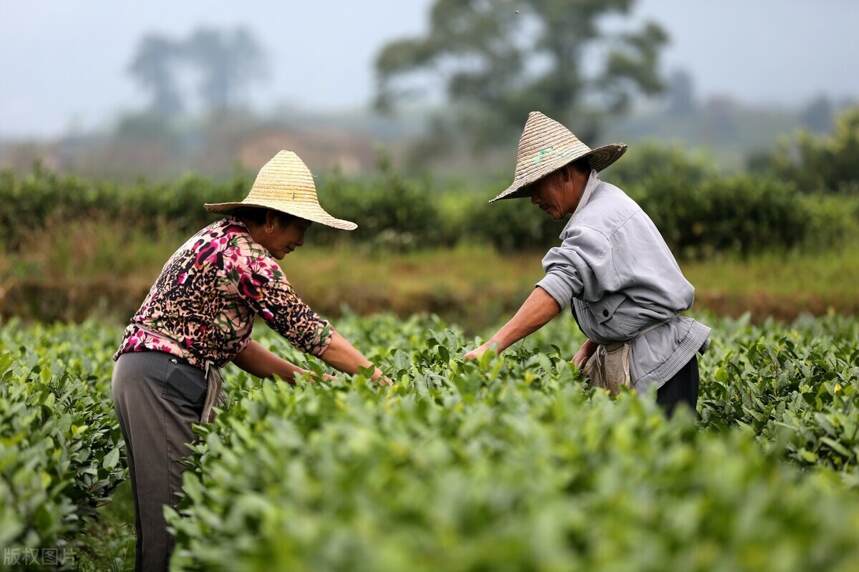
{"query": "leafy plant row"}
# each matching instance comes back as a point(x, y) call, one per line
point(61, 450)
point(513, 463)
point(509, 463)
point(797, 388)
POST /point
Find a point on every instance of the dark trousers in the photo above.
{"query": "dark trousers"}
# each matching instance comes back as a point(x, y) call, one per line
point(157, 398)
point(680, 389)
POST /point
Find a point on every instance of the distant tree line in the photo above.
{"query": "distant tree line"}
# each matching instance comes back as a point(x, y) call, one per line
point(227, 61)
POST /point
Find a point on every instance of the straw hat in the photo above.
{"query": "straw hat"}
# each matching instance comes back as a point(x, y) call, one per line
point(286, 185)
point(546, 146)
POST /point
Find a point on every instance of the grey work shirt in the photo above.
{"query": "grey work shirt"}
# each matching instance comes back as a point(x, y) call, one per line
point(624, 284)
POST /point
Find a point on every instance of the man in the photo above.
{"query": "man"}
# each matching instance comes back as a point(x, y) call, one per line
point(614, 268)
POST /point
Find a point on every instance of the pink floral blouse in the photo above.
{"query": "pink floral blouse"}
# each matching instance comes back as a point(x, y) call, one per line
point(202, 306)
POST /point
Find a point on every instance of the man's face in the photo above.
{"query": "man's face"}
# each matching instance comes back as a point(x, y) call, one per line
point(559, 193)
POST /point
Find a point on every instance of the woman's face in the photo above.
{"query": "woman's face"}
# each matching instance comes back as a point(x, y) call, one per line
point(281, 240)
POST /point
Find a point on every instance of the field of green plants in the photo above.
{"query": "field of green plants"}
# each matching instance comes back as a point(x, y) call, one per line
point(512, 463)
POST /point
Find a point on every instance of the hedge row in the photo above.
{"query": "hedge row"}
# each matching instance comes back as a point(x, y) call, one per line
point(697, 211)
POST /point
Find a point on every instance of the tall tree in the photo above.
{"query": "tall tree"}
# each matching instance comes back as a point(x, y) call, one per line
point(500, 59)
point(680, 93)
point(152, 67)
point(818, 115)
point(228, 60)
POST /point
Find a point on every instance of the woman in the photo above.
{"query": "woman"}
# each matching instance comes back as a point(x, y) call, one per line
point(198, 316)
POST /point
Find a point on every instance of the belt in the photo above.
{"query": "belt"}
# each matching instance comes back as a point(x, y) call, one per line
point(180, 360)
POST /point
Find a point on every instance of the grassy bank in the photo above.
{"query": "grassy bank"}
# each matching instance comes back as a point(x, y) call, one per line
point(101, 269)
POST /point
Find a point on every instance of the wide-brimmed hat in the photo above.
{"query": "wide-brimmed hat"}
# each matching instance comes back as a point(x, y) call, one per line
point(546, 146)
point(286, 185)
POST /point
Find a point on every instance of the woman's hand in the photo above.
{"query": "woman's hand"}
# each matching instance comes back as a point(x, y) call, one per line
point(257, 360)
point(342, 355)
point(585, 352)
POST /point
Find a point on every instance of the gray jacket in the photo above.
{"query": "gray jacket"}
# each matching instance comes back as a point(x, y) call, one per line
point(624, 284)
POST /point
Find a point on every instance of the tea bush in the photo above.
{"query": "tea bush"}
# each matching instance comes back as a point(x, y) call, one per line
point(509, 463)
point(61, 450)
point(799, 388)
point(513, 463)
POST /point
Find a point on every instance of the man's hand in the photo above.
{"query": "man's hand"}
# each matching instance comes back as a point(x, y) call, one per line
point(585, 352)
point(478, 352)
point(534, 313)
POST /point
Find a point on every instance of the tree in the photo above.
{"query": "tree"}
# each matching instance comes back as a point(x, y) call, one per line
point(228, 61)
point(817, 116)
point(818, 163)
point(500, 59)
point(152, 68)
point(680, 93)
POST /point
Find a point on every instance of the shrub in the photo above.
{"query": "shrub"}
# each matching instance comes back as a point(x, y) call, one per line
point(61, 450)
point(509, 462)
point(827, 163)
point(741, 214)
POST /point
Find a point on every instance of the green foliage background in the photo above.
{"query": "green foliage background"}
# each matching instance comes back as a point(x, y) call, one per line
point(699, 211)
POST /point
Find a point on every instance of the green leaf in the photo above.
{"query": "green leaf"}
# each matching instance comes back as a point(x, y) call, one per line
point(111, 459)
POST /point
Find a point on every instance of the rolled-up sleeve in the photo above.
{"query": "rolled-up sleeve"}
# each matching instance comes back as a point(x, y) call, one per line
point(266, 290)
point(581, 267)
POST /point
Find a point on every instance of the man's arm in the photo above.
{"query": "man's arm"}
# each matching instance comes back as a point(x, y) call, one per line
point(257, 360)
point(537, 310)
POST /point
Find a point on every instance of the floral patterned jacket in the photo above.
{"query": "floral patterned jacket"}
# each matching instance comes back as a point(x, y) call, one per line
point(202, 306)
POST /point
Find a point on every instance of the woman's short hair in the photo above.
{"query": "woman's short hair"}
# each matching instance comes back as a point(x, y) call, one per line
point(257, 215)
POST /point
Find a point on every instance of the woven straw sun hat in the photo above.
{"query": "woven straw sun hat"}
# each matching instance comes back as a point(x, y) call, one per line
point(285, 184)
point(545, 147)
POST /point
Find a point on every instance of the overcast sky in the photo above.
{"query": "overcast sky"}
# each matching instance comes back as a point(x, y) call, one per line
point(63, 63)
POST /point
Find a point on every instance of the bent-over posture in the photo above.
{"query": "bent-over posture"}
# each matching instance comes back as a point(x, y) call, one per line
point(613, 268)
point(197, 317)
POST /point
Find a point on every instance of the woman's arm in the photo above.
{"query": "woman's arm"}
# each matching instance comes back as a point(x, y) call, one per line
point(342, 355)
point(534, 313)
point(257, 360)
point(277, 303)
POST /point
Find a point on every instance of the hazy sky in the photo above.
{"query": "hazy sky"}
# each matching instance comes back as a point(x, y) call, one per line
point(63, 63)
